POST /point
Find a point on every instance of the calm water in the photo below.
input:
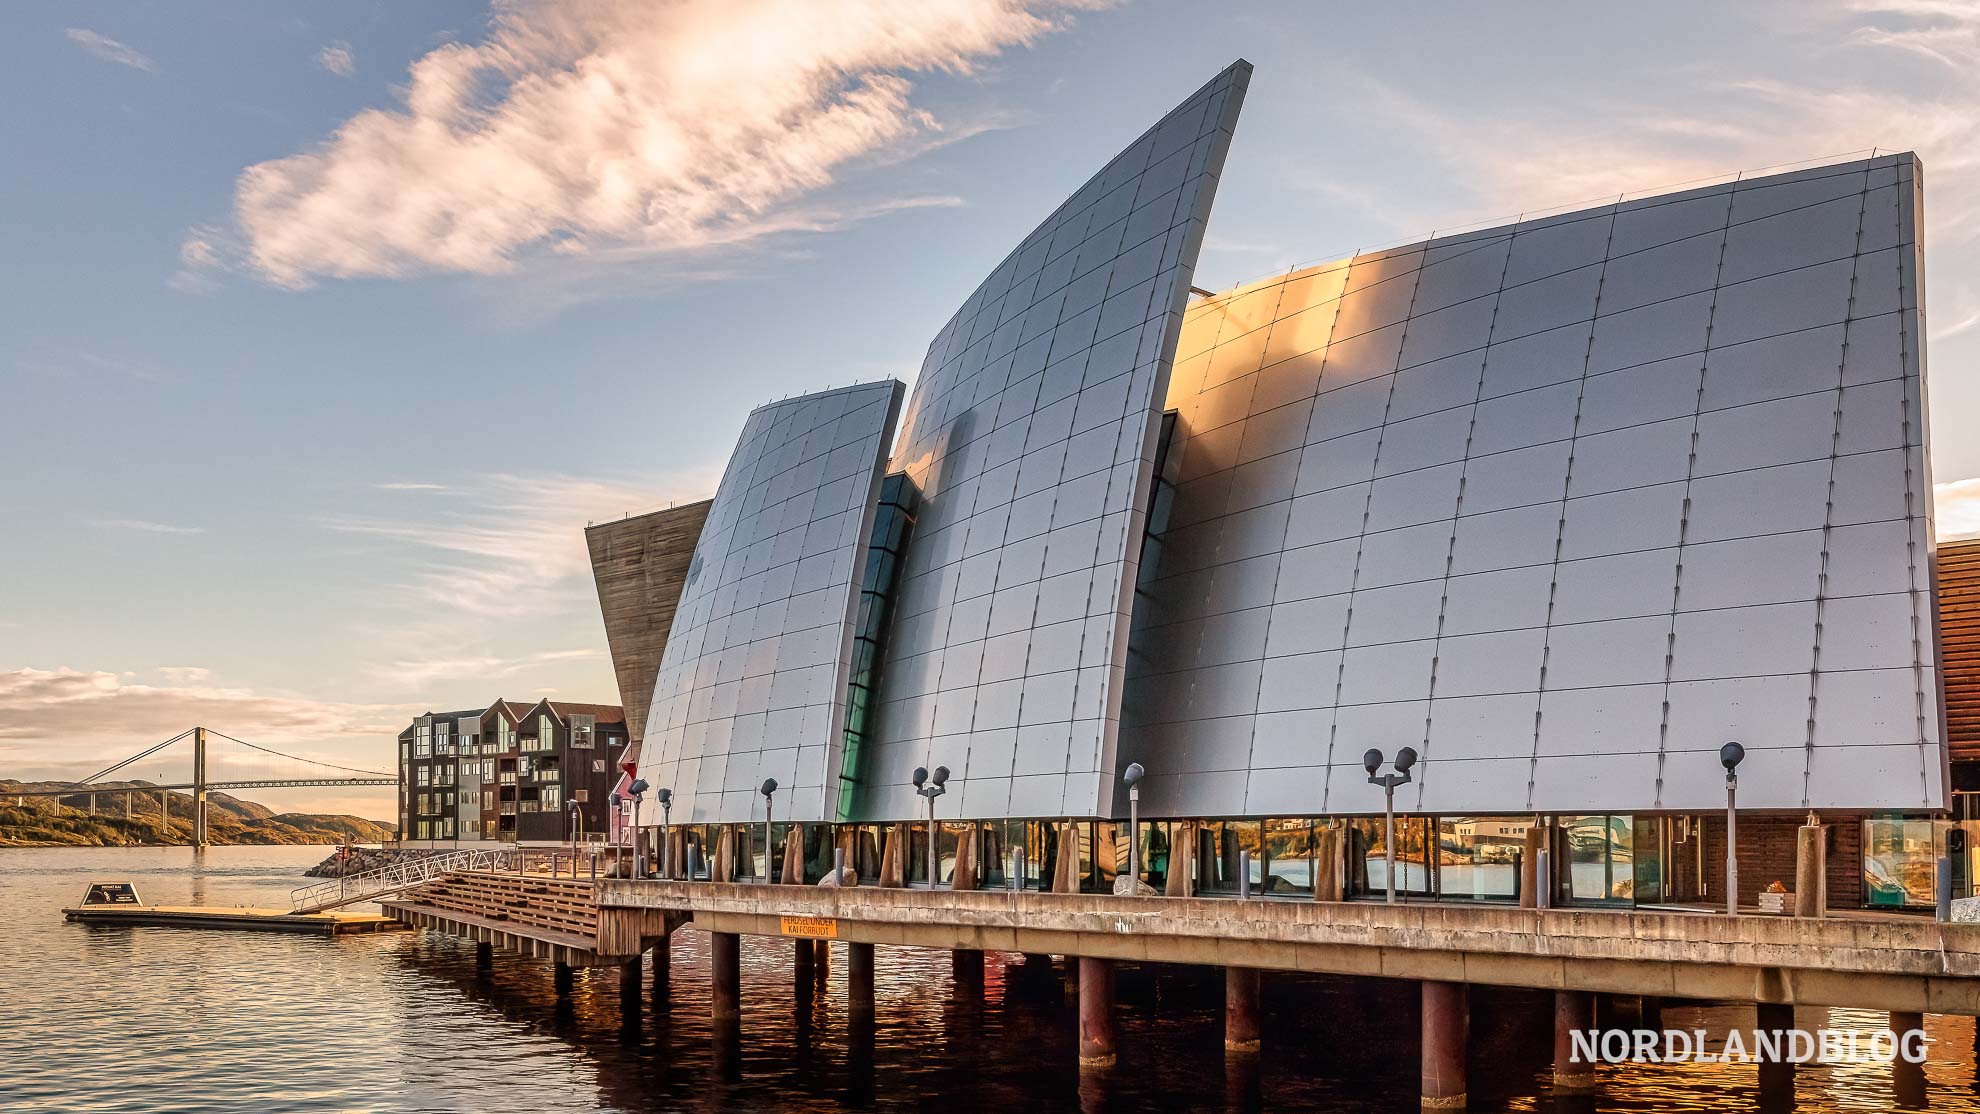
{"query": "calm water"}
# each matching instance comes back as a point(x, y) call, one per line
point(160, 1019)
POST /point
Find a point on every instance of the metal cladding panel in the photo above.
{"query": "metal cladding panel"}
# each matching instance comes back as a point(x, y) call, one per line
point(1564, 505)
point(753, 681)
point(1031, 438)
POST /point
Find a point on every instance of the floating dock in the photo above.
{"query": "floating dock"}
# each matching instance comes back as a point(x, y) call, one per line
point(241, 917)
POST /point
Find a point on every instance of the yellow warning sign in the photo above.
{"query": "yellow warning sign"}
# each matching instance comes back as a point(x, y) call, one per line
point(812, 928)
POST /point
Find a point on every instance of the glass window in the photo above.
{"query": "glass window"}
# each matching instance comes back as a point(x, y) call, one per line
point(1368, 857)
point(1220, 846)
point(1900, 865)
point(1289, 864)
point(1478, 857)
point(1601, 857)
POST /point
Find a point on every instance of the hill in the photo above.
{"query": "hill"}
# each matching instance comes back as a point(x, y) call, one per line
point(65, 820)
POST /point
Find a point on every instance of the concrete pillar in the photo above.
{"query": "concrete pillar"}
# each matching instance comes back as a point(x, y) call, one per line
point(1182, 860)
point(484, 956)
point(725, 974)
point(802, 970)
point(1776, 1077)
point(1096, 1013)
point(92, 804)
point(1810, 871)
point(964, 876)
point(164, 813)
point(892, 872)
point(563, 980)
point(1065, 872)
point(794, 857)
point(1907, 1079)
point(130, 806)
point(1241, 1009)
point(859, 979)
point(1446, 1027)
point(629, 973)
point(1574, 1012)
point(1529, 866)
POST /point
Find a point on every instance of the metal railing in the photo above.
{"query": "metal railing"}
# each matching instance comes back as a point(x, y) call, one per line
point(371, 884)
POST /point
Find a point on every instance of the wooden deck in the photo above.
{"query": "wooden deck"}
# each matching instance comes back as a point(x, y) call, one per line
point(244, 918)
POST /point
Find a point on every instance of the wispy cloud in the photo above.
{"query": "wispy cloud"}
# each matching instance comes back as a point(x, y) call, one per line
point(580, 128)
point(514, 545)
point(110, 50)
point(1551, 153)
point(411, 485)
point(105, 716)
point(338, 59)
point(148, 527)
point(417, 672)
point(185, 674)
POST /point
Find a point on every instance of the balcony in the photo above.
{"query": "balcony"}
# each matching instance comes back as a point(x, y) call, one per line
point(508, 808)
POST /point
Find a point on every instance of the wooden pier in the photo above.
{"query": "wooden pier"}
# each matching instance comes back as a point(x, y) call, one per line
point(1907, 966)
point(243, 918)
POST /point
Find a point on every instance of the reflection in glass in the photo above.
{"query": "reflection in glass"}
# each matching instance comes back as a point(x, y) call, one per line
point(1900, 863)
point(1478, 856)
point(1601, 855)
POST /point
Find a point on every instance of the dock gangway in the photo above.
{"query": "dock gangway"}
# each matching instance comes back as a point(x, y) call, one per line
point(373, 884)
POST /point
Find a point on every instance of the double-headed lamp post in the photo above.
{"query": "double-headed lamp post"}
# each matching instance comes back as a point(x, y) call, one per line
point(931, 788)
point(1372, 761)
point(666, 799)
point(1132, 776)
point(1730, 756)
point(769, 791)
point(637, 791)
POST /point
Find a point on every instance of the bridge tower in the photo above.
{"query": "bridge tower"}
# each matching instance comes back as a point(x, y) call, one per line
point(199, 789)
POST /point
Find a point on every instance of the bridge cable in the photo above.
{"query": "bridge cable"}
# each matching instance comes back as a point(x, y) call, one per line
point(296, 758)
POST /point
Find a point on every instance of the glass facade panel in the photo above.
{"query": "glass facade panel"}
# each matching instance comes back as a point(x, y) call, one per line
point(1368, 865)
point(1601, 854)
point(1900, 863)
point(1478, 857)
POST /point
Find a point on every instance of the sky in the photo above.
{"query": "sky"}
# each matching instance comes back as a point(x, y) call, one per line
point(325, 329)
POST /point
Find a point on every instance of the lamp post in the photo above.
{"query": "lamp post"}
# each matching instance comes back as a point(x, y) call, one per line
point(637, 790)
point(666, 799)
point(1730, 756)
point(768, 789)
point(1132, 776)
point(1372, 761)
point(931, 788)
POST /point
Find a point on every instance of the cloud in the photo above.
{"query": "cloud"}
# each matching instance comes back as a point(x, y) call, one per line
point(1541, 154)
point(411, 485)
point(424, 671)
point(49, 715)
point(110, 50)
point(514, 545)
point(338, 59)
point(185, 674)
point(144, 526)
point(579, 128)
point(1956, 508)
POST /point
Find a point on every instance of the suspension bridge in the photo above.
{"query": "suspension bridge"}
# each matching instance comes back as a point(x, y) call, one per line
point(253, 766)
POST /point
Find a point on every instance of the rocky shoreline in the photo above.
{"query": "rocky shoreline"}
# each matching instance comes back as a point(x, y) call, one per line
point(351, 859)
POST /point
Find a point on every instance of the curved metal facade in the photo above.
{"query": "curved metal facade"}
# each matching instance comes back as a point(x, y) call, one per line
point(1564, 505)
point(753, 681)
point(1031, 439)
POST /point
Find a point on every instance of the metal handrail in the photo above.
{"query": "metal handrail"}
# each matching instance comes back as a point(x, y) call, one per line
point(397, 876)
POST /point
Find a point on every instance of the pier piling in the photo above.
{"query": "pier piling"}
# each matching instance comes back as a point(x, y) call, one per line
point(725, 970)
point(859, 979)
point(1574, 1011)
point(1777, 1075)
point(1241, 1010)
point(1096, 1013)
point(1446, 1028)
point(564, 979)
point(484, 956)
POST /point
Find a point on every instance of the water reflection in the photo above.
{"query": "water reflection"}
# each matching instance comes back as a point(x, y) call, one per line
point(211, 1021)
